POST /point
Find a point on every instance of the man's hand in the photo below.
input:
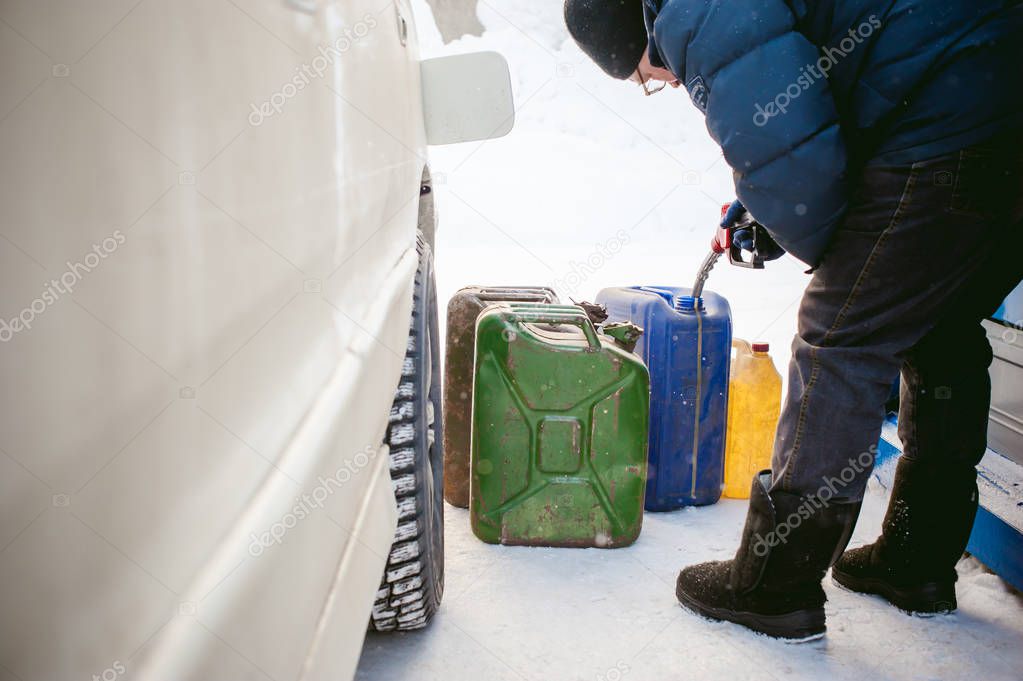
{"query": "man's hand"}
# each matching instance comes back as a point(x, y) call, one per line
point(756, 238)
point(750, 235)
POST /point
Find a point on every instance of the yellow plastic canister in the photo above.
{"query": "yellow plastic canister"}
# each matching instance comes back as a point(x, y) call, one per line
point(754, 404)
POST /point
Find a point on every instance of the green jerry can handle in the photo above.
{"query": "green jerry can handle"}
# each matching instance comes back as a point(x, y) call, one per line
point(567, 317)
point(516, 292)
point(549, 307)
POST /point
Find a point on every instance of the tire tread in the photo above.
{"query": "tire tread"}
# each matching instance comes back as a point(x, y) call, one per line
point(405, 599)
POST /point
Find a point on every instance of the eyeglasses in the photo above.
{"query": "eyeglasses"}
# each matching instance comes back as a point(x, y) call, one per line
point(647, 90)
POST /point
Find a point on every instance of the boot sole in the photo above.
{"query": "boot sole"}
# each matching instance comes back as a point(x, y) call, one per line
point(794, 627)
point(928, 599)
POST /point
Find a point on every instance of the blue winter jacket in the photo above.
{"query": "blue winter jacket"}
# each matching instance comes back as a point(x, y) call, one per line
point(800, 93)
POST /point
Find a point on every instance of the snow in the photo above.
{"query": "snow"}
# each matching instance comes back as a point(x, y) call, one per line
point(593, 165)
point(590, 614)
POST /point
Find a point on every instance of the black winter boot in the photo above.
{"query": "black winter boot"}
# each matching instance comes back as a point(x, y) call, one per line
point(925, 531)
point(773, 585)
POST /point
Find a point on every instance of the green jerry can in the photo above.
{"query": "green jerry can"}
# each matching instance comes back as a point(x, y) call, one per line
point(463, 308)
point(559, 431)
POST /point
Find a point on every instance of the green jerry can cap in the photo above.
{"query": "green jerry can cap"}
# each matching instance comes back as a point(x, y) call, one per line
point(624, 334)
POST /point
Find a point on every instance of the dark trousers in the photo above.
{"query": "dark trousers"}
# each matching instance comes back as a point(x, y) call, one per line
point(925, 253)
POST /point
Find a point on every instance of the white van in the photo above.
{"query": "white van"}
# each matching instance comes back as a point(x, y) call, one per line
point(216, 223)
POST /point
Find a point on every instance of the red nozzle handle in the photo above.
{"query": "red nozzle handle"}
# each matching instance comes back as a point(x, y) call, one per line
point(722, 240)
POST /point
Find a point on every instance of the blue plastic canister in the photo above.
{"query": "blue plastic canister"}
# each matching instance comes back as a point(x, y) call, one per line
point(686, 345)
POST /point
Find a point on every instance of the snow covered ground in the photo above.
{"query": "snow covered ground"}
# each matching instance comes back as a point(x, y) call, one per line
point(593, 615)
point(599, 186)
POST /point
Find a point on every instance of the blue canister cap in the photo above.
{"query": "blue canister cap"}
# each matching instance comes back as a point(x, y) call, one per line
point(688, 304)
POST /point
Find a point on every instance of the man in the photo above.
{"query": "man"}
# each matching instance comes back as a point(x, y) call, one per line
point(878, 141)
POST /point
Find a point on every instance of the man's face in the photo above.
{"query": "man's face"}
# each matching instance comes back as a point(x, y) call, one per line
point(646, 72)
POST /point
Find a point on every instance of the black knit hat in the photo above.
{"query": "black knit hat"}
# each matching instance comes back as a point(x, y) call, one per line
point(611, 32)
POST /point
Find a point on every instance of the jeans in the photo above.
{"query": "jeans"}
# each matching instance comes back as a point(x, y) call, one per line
point(925, 252)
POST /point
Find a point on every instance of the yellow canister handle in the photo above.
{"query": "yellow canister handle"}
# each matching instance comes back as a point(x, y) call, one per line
point(741, 345)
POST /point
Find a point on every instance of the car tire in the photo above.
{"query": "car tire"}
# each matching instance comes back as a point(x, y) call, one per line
point(413, 581)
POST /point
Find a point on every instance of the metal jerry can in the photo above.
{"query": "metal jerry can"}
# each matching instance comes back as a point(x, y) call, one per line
point(687, 348)
point(559, 434)
point(463, 308)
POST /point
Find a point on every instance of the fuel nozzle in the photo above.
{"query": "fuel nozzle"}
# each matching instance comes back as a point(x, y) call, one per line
point(724, 243)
